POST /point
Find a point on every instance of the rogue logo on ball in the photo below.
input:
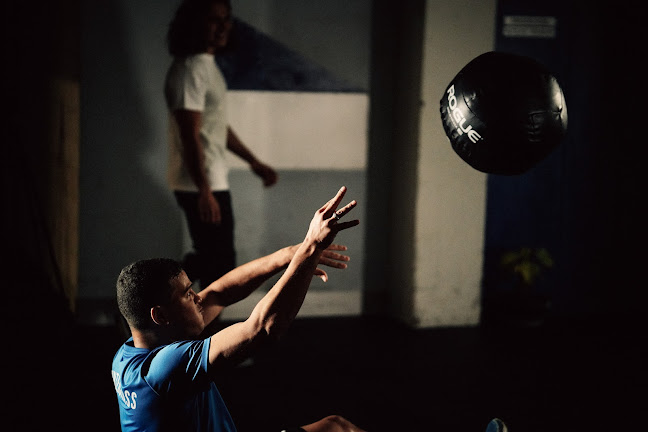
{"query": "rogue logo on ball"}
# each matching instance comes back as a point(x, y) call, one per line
point(459, 119)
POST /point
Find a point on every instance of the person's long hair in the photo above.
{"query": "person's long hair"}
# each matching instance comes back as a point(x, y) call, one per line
point(186, 35)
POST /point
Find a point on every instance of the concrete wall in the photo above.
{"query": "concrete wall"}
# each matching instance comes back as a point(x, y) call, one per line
point(426, 207)
point(451, 195)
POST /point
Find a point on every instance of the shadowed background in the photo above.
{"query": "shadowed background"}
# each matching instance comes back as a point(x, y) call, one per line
point(400, 339)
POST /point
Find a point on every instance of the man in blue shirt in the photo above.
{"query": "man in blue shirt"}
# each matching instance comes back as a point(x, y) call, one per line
point(163, 375)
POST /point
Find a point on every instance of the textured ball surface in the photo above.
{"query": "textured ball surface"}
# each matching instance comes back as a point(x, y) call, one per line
point(504, 113)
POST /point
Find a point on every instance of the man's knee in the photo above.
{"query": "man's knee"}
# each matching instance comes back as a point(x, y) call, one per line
point(337, 423)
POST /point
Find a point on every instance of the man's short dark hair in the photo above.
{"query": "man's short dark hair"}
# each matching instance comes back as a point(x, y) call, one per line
point(186, 35)
point(142, 285)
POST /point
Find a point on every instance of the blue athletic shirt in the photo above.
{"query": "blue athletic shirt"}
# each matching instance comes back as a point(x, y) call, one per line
point(168, 389)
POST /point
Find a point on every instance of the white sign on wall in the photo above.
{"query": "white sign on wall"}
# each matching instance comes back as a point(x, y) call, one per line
point(528, 26)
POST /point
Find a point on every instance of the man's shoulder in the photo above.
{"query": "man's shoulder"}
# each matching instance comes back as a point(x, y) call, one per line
point(177, 359)
point(178, 349)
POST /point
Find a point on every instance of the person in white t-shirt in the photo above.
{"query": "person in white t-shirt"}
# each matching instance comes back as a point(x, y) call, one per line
point(200, 135)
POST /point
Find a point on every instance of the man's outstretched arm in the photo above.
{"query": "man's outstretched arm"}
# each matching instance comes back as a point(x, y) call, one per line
point(277, 309)
point(240, 282)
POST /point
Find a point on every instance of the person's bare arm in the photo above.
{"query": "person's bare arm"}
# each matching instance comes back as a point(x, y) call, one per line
point(193, 153)
point(240, 282)
point(236, 146)
point(277, 309)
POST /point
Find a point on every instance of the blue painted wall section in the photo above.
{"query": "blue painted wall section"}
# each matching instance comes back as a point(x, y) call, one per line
point(254, 61)
point(581, 203)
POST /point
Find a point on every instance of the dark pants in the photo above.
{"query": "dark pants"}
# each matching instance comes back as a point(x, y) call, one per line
point(213, 244)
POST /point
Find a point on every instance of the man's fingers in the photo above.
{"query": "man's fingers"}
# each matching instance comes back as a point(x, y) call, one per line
point(345, 225)
point(335, 256)
point(333, 263)
point(335, 201)
point(344, 210)
point(332, 204)
point(321, 274)
point(338, 247)
point(334, 260)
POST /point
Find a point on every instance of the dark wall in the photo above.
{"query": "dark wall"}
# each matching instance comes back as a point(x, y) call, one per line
point(584, 202)
point(40, 44)
point(396, 58)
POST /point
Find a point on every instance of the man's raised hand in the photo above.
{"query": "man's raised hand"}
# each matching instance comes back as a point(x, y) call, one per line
point(325, 223)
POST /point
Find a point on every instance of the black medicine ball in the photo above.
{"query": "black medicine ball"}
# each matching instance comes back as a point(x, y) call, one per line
point(504, 113)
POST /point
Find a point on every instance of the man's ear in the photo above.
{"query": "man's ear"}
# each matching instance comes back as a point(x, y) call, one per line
point(158, 315)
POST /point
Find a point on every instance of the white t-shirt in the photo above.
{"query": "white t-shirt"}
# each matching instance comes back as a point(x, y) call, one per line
point(195, 83)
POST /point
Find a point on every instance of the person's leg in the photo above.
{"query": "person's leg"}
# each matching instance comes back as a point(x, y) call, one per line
point(219, 253)
point(336, 423)
point(332, 423)
point(213, 244)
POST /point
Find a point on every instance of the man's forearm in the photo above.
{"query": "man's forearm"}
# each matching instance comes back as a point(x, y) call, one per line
point(281, 304)
point(240, 282)
point(236, 146)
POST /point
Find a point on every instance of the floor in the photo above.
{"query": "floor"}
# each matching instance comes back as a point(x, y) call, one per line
point(561, 376)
